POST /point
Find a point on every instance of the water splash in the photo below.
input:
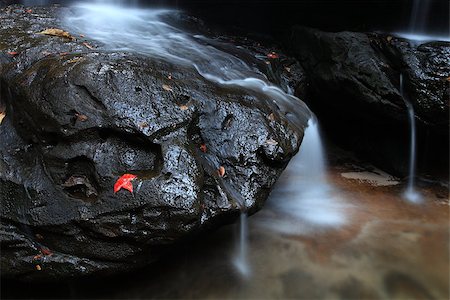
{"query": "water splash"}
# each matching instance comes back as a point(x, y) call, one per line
point(410, 193)
point(303, 200)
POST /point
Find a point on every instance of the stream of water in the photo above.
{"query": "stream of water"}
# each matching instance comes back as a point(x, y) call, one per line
point(410, 193)
point(303, 199)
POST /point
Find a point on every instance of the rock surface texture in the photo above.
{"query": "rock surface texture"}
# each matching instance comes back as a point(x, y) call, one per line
point(78, 118)
point(354, 87)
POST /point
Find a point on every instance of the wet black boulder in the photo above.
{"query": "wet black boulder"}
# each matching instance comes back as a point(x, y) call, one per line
point(353, 84)
point(77, 119)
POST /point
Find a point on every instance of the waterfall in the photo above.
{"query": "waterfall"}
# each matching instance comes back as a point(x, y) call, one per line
point(240, 260)
point(303, 199)
point(410, 193)
point(419, 16)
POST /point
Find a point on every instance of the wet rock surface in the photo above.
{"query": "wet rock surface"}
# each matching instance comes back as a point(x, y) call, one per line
point(77, 118)
point(354, 87)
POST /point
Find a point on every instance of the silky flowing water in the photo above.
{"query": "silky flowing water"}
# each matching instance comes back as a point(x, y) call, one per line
point(410, 193)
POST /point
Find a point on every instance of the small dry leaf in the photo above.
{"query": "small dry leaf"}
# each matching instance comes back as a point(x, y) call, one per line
point(221, 171)
point(389, 38)
point(271, 142)
point(81, 118)
point(57, 32)
point(38, 267)
point(36, 257)
point(143, 124)
point(2, 116)
point(184, 107)
point(13, 53)
point(87, 45)
point(287, 69)
point(74, 60)
point(45, 251)
point(448, 79)
point(203, 148)
point(272, 117)
point(167, 88)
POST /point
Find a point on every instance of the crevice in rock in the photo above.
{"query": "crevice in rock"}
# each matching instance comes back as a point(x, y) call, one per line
point(98, 103)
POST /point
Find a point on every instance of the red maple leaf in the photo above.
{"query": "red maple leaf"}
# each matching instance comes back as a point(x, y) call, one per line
point(124, 182)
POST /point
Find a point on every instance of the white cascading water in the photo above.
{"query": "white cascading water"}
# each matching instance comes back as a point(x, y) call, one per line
point(240, 260)
point(145, 31)
point(410, 193)
point(420, 15)
point(303, 201)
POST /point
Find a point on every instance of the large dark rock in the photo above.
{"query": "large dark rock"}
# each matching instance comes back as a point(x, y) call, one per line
point(354, 87)
point(77, 119)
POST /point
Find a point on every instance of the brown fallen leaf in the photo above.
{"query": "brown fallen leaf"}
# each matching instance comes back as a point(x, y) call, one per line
point(38, 267)
point(167, 88)
point(80, 181)
point(271, 117)
point(45, 251)
point(2, 116)
point(74, 60)
point(89, 46)
point(58, 32)
point(271, 142)
point(183, 107)
point(221, 171)
point(287, 69)
point(203, 148)
point(143, 125)
point(37, 257)
point(81, 118)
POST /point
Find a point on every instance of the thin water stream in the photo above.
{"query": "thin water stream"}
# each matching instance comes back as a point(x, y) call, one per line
point(411, 194)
